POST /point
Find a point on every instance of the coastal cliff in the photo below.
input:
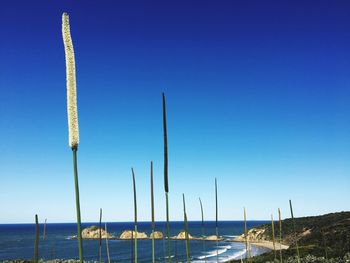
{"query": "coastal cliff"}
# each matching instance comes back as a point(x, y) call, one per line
point(317, 236)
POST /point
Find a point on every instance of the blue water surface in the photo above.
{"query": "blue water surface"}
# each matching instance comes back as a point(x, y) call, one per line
point(17, 242)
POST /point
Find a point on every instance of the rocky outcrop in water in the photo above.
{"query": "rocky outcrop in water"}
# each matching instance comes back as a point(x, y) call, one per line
point(93, 232)
point(212, 238)
point(129, 234)
point(182, 235)
point(157, 235)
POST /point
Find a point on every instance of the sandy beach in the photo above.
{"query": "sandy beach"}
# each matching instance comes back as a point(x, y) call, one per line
point(269, 245)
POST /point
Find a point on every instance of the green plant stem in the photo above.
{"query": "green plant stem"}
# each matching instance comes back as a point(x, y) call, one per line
point(36, 241)
point(245, 233)
point(77, 203)
point(166, 185)
point(280, 225)
point(324, 244)
point(44, 234)
point(216, 220)
point(202, 228)
point(273, 236)
point(152, 210)
point(100, 236)
point(135, 212)
point(132, 246)
point(167, 226)
point(135, 240)
point(294, 228)
point(107, 247)
point(186, 231)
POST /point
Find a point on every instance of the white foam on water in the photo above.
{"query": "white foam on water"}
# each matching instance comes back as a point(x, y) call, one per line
point(238, 255)
point(211, 256)
point(213, 253)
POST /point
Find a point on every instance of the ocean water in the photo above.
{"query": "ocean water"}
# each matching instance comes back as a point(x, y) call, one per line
point(17, 242)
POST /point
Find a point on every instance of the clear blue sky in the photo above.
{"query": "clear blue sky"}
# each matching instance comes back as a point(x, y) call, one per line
point(258, 95)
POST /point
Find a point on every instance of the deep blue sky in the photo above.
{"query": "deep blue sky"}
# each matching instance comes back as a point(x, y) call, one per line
point(258, 95)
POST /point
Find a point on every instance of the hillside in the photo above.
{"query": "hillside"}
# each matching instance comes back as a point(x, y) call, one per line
point(323, 236)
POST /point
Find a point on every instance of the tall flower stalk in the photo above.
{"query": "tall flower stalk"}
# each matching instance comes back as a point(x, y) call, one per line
point(36, 241)
point(44, 234)
point(186, 231)
point(72, 110)
point(273, 236)
point(294, 229)
point(216, 221)
point(135, 213)
point(107, 247)
point(166, 186)
point(202, 228)
point(247, 247)
point(100, 236)
point(280, 225)
point(152, 211)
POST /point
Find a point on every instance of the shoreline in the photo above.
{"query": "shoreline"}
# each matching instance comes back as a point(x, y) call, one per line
point(258, 247)
point(262, 243)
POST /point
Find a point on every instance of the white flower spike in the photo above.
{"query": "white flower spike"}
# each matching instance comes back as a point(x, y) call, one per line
point(73, 126)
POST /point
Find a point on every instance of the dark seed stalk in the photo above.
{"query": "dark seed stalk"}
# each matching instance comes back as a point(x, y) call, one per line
point(135, 212)
point(186, 231)
point(36, 241)
point(202, 228)
point(294, 228)
point(166, 186)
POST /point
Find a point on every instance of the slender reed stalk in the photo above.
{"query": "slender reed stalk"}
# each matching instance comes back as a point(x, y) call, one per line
point(107, 247)
point(73, 126)
point(273, 236)
point(100, 236)
point(135, 212)
point(152, 210)
point(280, 225)
point(132, 246)
point(36, 241)
point(216, 221)
point(246, 236)
point(166, 185)
point(186, 231)
point(44, 234)
point(324, 244)
point(202, 228)
point(295, 233)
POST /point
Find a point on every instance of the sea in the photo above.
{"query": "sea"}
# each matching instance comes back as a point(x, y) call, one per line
point(17, 242)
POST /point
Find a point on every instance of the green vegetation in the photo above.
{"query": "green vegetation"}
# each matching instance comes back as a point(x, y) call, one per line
point(296, 240)
point(280, 230)
point(312, 233)
point(273, 236)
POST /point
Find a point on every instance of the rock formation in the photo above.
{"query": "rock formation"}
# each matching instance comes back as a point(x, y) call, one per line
point(93, 232)
point(254, 235)
point(182, 235)
point(157, 235)
point(212, 238)
point(129, 234)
